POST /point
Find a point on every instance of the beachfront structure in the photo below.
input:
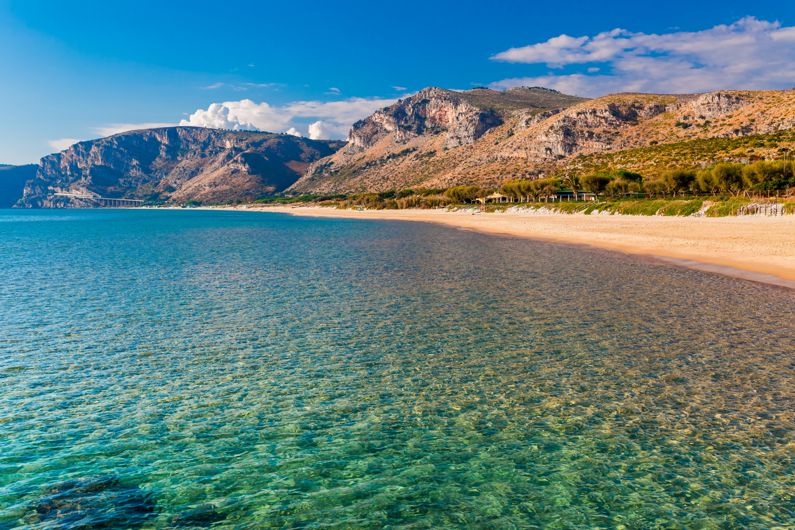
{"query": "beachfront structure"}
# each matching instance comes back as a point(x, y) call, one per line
point(558, 196)
point(96, 200)
point(568, 195)
point(495, 198)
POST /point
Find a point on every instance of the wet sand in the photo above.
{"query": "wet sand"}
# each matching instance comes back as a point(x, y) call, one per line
point(756, 248)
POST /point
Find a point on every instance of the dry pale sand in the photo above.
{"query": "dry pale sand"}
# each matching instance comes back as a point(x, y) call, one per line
point(753, 247)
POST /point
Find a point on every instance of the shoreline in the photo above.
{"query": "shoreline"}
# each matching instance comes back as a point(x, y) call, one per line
point(756, 248)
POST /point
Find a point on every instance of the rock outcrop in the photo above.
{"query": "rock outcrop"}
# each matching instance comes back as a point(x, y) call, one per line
point(589, 127)
point(431, 111)
point(714, 104)
point(175, 164)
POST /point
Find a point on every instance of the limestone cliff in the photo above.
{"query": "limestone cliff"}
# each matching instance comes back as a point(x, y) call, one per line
point(431, 111)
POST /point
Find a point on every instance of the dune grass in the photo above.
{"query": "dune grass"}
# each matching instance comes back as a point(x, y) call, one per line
point(713, 207)
point(726, 207)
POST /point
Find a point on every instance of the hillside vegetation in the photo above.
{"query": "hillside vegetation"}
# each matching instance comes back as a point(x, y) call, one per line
point(692, 154)
point(721, 189)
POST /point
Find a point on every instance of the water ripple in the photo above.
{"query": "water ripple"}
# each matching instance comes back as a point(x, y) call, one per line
point(224, 369)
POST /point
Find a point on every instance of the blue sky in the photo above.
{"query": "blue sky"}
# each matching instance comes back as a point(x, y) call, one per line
point(79, 70)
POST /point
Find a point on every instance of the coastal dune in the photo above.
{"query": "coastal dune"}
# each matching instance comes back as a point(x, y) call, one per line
point(757, 248)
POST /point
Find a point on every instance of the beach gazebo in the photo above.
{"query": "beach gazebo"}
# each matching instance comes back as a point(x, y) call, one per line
point(494, 197)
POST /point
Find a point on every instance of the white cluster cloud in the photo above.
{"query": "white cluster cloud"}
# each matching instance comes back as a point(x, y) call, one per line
point(320, 119)
point(749, 53)
point(239, 115)
point(322, 130)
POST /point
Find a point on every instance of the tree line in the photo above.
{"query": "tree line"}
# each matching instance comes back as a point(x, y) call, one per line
point(760, 177)
point(733, 179)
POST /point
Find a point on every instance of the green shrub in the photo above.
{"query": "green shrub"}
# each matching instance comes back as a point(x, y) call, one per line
point(596, 183)
point(769, 175)
point(570, 207)
point(638, 207)
point(681, 207)
point(464, 194)
point(679, 180)
point(728, 177)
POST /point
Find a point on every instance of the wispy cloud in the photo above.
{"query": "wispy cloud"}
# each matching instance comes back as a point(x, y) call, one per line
point(319, 119)
point(116, 128)
point(334, 91)
point(399, 88)
point(240, 87)
point(749, 53)
point(62, 143)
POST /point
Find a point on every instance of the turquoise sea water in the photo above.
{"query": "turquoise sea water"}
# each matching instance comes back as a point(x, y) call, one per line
point(164, 369)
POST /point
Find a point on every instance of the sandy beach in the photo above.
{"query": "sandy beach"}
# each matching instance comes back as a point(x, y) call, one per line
point(757, 248)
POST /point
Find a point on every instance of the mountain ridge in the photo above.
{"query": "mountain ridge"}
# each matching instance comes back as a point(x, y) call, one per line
point(175, 164)
point(533, 142)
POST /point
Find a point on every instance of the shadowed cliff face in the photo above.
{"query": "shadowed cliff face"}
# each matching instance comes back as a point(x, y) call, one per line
point(176, 164)
point(12, 183)
point(439, 138)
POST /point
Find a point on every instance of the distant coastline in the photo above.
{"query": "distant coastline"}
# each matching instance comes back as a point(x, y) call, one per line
point(757, 248)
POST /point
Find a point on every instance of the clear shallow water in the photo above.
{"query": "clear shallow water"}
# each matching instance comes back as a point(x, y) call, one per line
point(185, 368)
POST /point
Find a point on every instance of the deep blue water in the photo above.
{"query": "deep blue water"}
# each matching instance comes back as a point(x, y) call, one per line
point(249, 370)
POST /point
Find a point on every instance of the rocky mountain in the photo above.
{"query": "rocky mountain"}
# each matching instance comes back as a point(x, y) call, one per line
point(439, 138)
point(175, 164)
point(461, 117)
point(12, 182)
